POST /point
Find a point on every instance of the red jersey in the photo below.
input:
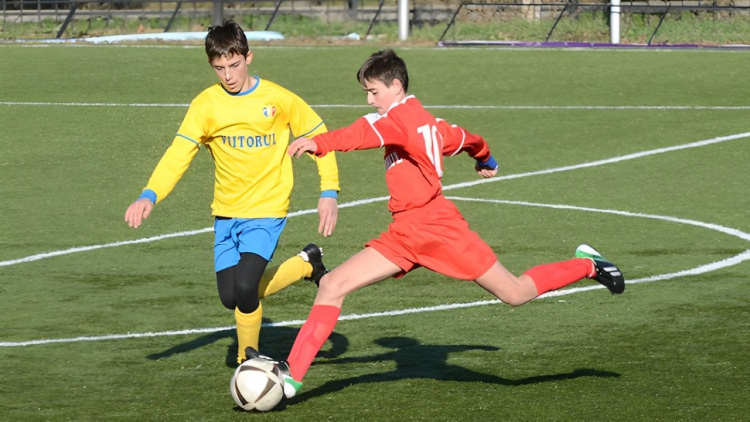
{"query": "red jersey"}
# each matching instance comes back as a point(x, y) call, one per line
point(415, 142)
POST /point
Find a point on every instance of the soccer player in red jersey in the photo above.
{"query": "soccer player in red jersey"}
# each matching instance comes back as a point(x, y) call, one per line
point(427, 229)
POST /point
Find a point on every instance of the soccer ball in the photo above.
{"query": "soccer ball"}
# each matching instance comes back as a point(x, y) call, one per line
point(257, 384)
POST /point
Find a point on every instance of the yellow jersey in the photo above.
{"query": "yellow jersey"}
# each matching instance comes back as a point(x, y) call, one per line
point(247, 135)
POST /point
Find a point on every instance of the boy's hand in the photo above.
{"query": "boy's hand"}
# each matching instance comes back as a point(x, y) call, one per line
point(302, 145)
point(487, 168)
point(328, 209)
point(138, 211)
point(486, 173)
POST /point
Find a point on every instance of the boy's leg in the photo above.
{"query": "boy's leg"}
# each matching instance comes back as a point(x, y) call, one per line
point(547, 277)
point(534, 282)
point(308, 264)
point(242, 249)
point(366, 267)
point(248, 330)
point(249, 312)
point(588, 263)
point(506, 286)
point(247, 324)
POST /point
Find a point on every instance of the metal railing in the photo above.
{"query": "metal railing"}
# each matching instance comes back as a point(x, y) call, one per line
point(433, 12)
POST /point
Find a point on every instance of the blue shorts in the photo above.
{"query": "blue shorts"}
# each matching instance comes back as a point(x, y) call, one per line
point(240, 235)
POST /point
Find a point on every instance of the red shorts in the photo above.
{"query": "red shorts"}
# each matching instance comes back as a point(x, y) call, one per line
point(436, 237)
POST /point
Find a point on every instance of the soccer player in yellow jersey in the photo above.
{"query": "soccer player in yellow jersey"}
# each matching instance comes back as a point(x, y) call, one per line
point(245, 122)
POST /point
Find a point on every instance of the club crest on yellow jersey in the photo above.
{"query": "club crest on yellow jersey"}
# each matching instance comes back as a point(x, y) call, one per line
point(269, 111)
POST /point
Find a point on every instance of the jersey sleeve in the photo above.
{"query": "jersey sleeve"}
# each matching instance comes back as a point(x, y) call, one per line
point(180, 154)
point(304, 121)
point(172, 166)
point(328, 169)
point(359, 135)
point(457, 139)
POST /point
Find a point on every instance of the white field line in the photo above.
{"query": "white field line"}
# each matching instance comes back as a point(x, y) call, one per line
point(727, 230)
point(371, 200)
point(77, 249)
point(694, 271)
point(603, 162)
point(469, 107)
point(350, 317)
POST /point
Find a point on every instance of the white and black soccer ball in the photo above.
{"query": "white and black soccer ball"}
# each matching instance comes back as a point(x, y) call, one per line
point(257, 384)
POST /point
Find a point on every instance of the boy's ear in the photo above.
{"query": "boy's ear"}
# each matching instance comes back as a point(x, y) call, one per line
point(249, 58)
point(398, 84)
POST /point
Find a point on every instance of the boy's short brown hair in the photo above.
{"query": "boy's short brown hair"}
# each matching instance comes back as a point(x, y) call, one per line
point(384, 66)
point(226, 40)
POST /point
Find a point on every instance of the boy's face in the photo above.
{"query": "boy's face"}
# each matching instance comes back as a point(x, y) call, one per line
point(232, 71)
point(381, 96)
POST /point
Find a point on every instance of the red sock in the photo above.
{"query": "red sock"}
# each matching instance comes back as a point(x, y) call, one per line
point(549, 277)
point(311, 337)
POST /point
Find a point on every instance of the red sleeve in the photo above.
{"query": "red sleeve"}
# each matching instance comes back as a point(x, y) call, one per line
point(358, 135)
point(457, 139)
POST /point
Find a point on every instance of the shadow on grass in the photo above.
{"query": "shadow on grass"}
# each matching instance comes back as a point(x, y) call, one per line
point(413, 360)
point(419, 361)
point(275, 342)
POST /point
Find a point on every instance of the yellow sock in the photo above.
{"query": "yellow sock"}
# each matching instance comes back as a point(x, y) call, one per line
point(248, 330)
point(277, 278)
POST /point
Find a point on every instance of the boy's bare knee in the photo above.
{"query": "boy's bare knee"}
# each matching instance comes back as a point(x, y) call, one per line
point(514, 300)
point(329, 291)
point(516, 297)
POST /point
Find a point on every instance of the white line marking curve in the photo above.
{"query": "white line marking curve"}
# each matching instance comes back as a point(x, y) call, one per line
point(737, 259)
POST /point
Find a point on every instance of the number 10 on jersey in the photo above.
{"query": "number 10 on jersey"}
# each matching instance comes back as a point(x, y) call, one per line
point(433, 146)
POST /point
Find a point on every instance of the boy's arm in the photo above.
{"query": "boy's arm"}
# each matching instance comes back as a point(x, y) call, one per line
point(305, 122)
point(167, 173)
point(457, 139)
point(329, 189)
point(359, 135)
point(171, 167)
point(344, 139)
point(327, 168)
